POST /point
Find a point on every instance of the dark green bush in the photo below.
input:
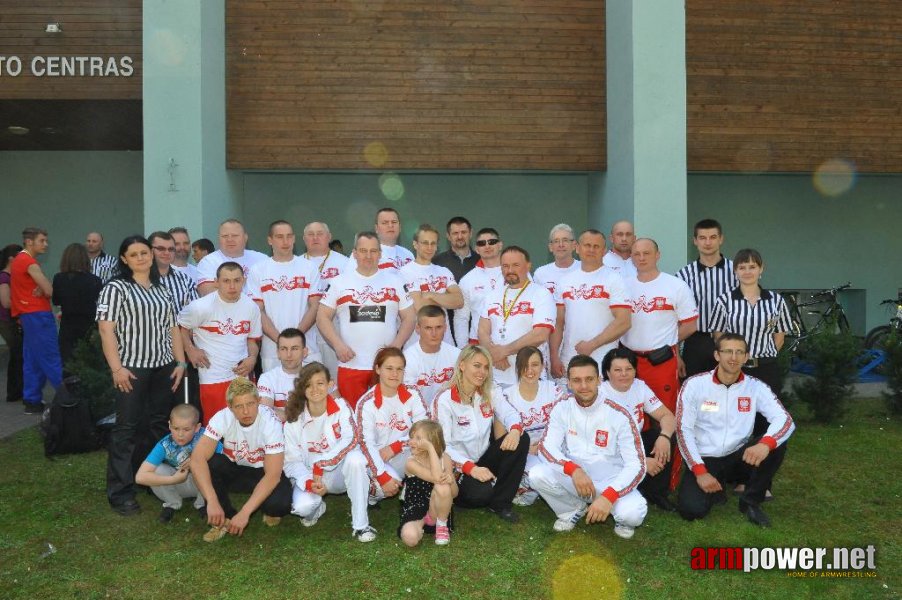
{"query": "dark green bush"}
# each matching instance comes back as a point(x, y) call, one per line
point(892, 368)
point(95, 382)
point(834, 357)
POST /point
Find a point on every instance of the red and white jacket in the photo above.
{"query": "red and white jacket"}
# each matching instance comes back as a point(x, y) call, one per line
point(715, 420)
point(314, 445)
point(605, 432)
point(468, 427)
point(385, 422)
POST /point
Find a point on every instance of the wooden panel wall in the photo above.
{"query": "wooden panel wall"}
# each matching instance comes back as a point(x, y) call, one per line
point(785, 85)
point(103, 28)
point(415, 84)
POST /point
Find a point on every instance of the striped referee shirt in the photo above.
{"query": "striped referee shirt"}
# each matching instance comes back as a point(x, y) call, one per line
point(104, 266)
point(181, 286)
point(757, 324)
point(707, 285)
point(144, 320)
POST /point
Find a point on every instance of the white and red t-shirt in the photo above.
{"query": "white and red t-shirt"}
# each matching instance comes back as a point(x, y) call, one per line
point(587, 298)
point(393, 258)
point(206, 268)
point(328, 267)
point(639, 400)
point(221, 329)
point(549, 275)
point(659, 306)
point(534, 413)
point(368, 310)
point(284, 288)
point(624, 266)
point(428, 372)
point(428, 278)
point(246, 446)
point(474, 286)
point(386, 421)
point(527, 307)
point(277, 385)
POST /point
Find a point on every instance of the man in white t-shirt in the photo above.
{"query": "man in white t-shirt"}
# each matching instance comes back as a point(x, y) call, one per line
point(287, 290)
point(232, 247)
point(620, 257)
point(277, 384)
point(561, 244)
point(182, 250)
point(388, 230)
point(253, 454)
point(430, 361)
point(221, 333)
point(329, 265)
point(482, 279)
point(520, 314)
point(592, 308)
point(427, 283)
point(373, 311)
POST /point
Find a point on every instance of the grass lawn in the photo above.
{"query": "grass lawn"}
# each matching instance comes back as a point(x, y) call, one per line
point(839, 486)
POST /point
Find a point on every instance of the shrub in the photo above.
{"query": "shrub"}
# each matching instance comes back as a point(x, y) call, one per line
point(834, 357)
point(95, 383)
point(892, 368)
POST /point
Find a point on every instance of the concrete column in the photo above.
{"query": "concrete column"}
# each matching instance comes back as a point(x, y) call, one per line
point(185, 178)
point(646, 126)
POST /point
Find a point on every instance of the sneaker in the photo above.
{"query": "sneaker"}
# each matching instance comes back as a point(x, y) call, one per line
point(624, 531)
point(271, 521)
point(442, 535)
point(34, 409)
point(569, 520)
point(312, 519)
point(217, 533)
point(367, 534)
point(527, 498)
point(166, 515)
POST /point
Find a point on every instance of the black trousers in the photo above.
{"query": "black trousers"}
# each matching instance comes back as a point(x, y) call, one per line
point(228, 476)
point(142, 418)
point(768, 371)
point(508, 469)
point(11, 333)
point(698, 353)
point(695, 503)
point(656, 485)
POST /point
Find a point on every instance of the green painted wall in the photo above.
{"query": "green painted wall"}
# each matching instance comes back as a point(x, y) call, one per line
point(811, 240)
point(70, 194)
point(523, 208)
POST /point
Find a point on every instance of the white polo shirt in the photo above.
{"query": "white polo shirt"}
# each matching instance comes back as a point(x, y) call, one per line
point(587, 298)
point(659, 307)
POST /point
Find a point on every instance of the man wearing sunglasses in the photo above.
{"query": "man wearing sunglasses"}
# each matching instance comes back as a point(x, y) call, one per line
point(179, 283)
point(484, 278)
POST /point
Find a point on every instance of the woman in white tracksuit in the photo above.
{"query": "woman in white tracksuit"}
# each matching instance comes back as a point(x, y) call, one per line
point(321, 454)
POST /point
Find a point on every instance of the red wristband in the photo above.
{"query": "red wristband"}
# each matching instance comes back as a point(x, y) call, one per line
point(468, 466)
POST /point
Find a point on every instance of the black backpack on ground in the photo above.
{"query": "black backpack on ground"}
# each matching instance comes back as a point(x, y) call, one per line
point(68, 426)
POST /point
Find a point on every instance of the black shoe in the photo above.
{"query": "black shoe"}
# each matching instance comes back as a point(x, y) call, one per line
point(506, 514)
point(166, 515)
point(662, 502)
point(128, 508)
point(34, 409)
point(202, 513)
point(719, 498)
point(754, 514)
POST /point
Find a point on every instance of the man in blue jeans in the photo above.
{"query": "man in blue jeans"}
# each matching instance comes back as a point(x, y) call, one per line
point(30, 292)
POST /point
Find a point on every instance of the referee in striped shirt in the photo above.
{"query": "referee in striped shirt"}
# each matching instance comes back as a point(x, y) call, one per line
point(179, 283)
point(709, 277)
point(103, 265)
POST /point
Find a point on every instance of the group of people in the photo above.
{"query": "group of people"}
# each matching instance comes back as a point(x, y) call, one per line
point(454, 379)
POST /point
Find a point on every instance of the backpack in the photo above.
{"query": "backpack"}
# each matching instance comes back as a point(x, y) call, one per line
point(68, 426)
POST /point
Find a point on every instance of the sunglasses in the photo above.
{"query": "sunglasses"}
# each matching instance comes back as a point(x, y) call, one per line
point(164, 249)
point(489, 242)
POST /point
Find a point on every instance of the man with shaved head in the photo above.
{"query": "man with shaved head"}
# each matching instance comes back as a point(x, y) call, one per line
point(102, 264)
point(232, 248)
point(620, 257)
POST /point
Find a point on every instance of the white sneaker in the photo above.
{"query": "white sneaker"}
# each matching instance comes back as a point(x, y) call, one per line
point(624, 531)
point(368, 534)
point(311, 520)
point(569, 520)
point(526, 498)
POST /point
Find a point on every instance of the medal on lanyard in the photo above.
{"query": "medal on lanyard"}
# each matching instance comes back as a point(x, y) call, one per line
point(506, 310)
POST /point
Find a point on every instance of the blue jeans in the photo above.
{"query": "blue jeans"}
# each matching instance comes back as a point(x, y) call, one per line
point(40, 354)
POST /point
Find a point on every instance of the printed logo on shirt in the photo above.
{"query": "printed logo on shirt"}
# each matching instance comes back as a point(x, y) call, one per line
point(586, 292)
point(368, 294)
point(228, 327)
point(329, 273)
point(601, 438)
point(710, 406)
point(535, 417)
point(336, 429)
point(395, 422)
point(284, 283)
point(434, 283)
point(463, 421)
point(367, 314)
point(745, 404)
point(435, 377)
point(640, 413)
point(521, 308)
point(318, 447)
point(242, 452)
point(650, 304)
point(486, 410)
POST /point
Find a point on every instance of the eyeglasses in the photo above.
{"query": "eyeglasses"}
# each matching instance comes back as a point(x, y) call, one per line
point(562, 241)
point(164, 249)
point(489, 242)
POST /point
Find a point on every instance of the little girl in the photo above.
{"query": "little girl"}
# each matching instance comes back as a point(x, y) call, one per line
point(429, 485)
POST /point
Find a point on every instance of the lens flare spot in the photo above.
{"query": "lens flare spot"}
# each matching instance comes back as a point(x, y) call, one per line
point(834, 177)
point(392, 187)
point(376, 154)
point(586, 576)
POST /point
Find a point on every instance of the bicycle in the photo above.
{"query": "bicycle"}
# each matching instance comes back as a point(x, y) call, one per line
point(877, 336)
point(832, 317)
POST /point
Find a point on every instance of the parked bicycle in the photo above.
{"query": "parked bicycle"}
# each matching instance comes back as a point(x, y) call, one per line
point(829, 314)
point(877, 336)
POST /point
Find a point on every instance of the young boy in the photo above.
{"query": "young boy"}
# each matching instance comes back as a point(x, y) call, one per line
point(276, 385)
point(166, 469)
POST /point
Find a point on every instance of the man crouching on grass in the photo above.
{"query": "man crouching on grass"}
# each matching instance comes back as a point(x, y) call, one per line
point(253, 452)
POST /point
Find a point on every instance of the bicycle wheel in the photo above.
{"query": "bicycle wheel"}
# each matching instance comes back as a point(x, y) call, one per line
point(877, 336)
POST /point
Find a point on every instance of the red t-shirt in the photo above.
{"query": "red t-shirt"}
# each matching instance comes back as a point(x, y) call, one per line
point(22, 287)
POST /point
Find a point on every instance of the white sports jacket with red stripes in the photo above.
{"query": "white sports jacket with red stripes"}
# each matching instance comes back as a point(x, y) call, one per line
point(385, 422)
point(314, 445)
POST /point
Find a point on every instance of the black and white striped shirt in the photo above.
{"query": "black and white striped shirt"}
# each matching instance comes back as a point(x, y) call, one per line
point(104, 266)
point(144, 320)
point(758, 323)
point(181, 286)
point(707, 285)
